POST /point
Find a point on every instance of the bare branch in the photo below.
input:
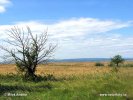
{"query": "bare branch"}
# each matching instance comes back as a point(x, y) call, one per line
point(29, 50)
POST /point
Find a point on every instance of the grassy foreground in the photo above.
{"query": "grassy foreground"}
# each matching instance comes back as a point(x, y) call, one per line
point(74, 81)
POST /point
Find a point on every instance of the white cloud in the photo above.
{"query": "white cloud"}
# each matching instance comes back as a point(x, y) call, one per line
point(72, 27)
point(83, 37)
point(3, 5)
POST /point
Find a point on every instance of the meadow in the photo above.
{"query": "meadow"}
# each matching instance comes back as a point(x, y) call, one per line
point(68, 81)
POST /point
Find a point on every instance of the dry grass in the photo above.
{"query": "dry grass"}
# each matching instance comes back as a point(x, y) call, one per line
point(64, 69)
point(59, 69)
point(7, 68)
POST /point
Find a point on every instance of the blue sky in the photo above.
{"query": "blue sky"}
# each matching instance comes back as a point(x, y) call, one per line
point(82, 28)
point(65, 9)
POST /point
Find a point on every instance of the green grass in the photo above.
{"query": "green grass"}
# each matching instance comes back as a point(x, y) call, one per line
point(83, 87)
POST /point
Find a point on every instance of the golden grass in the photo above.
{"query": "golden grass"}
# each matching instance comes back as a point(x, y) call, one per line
point(65, 69)
point(7, 68)
point(70, 69)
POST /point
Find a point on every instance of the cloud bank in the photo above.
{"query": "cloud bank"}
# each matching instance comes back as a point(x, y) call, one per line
point(82, 37)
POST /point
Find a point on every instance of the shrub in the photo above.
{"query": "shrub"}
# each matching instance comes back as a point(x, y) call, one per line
point(99, 64)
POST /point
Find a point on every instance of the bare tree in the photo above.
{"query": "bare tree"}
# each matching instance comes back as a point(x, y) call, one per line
point(29, 50)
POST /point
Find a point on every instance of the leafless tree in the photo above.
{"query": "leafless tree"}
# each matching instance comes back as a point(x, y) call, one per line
point(28, 50)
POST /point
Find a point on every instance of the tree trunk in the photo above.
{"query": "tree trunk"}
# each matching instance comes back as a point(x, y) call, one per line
point(30, 74)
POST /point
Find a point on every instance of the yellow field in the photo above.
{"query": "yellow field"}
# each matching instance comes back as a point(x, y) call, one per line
point(66, 69)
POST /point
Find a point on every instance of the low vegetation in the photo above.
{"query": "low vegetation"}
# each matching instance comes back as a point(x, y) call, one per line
point(99, 64)
point(76, 81)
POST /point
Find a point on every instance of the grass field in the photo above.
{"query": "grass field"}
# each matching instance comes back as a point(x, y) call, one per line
point(73, 81)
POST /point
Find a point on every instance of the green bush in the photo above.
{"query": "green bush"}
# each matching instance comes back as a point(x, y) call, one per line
point(99, 64)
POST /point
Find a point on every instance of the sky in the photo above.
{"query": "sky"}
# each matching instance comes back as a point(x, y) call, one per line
point(81, 28)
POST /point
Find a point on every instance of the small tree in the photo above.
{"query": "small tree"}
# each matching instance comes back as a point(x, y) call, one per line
point(27, 50)
point(117, 60)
